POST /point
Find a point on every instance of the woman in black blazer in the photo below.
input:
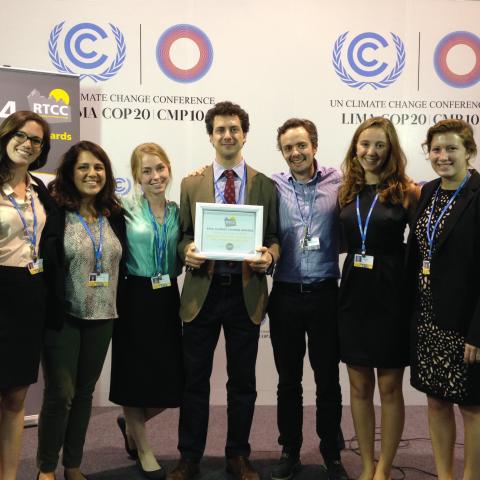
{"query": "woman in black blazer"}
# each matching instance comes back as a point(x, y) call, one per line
point(84, 243)
point(443, 261)
point(24, 205)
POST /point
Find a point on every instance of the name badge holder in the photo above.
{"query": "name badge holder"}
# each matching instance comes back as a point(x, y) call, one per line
point(363, 260)
point(159, 280)
point(36, 265)
point(310, 243)
point(426, 263)
point(96, 278)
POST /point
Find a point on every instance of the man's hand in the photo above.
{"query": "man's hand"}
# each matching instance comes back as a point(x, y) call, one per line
point(192, 258)
point(262, 263)
point(197, 172)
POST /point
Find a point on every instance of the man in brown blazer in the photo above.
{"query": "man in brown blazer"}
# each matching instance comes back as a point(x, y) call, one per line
point(221, 294)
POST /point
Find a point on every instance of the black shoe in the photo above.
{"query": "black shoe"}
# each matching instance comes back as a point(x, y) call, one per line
point(132, 452)
point(286, 468)
point(336, 471)
point(158, 474)
point(340, 440)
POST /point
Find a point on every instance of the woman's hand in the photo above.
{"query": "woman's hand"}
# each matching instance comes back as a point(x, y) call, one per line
point(471, 354)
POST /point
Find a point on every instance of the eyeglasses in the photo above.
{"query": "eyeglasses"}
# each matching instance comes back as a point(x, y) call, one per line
point(22, 137)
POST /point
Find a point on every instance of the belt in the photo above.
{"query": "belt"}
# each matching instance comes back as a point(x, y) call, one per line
point(328, 284)
point(226, 279)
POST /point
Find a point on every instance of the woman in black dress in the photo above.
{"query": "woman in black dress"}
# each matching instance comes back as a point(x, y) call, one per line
point(24, 203)
point(443, 269)
point(376, 199)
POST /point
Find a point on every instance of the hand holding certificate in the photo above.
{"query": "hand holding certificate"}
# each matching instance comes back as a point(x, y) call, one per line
point(228, 231)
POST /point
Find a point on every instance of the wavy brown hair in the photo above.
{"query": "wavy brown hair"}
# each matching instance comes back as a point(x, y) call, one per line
point(63, 189)
point(8, 127)
point(393, 183)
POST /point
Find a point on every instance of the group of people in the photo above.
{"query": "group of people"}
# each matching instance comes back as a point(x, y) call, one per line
point(92, 268)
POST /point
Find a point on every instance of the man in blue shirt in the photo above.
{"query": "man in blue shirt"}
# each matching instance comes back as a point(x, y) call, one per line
point(303, 301)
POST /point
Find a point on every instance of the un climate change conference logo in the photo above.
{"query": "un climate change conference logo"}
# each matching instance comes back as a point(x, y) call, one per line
point(363, 64)
point(446, 44)
point(164, 59)
point(123, 185)
point(79, 48)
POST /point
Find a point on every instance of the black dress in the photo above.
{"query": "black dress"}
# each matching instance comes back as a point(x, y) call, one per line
point(438, 368)
point(372, 330)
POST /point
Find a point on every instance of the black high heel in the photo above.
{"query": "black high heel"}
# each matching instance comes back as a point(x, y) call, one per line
point(132, 452)
point(158, 474)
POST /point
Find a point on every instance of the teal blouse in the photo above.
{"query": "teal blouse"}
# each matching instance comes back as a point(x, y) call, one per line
point(141, 259)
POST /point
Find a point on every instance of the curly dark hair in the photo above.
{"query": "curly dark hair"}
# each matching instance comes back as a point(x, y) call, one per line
point(460, 127)
point(394, 183)
point(295, 123)
point(63, 189)
point(227, 109)
point(8, 127)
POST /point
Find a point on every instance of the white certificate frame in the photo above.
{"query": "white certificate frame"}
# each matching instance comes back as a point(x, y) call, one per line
point(239, 223)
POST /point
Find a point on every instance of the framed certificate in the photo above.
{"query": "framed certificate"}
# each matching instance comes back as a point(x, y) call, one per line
point(228, 231)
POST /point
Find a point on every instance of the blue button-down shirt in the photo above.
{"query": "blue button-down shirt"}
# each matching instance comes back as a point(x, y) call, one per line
point(307, 266)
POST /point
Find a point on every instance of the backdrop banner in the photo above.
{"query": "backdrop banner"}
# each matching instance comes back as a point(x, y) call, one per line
point(150, 70)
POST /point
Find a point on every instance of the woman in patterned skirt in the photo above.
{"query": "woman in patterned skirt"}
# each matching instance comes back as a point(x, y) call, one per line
point(443, 263)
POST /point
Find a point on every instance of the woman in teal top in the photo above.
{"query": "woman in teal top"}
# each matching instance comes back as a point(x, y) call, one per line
point(146, 354)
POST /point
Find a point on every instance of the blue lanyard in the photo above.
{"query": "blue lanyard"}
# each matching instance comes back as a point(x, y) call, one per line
point(242, 187)
point(308, 221)
point(431, 232)
point(32, 236)
point(159, 240)
point(363, 231)
point(97, 249)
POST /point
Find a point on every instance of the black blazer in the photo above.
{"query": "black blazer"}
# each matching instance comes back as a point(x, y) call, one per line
point(455, 265)
point(53, 252)
point(47, 201)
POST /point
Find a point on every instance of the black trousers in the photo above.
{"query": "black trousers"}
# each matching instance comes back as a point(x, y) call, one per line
point(223, 307)
point(293, 316)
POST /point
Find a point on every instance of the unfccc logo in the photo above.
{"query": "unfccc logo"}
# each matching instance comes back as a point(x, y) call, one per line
point(445, 72)
point(164, 59)
point(362, 62)
point(123, 185)
point(79, 47)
